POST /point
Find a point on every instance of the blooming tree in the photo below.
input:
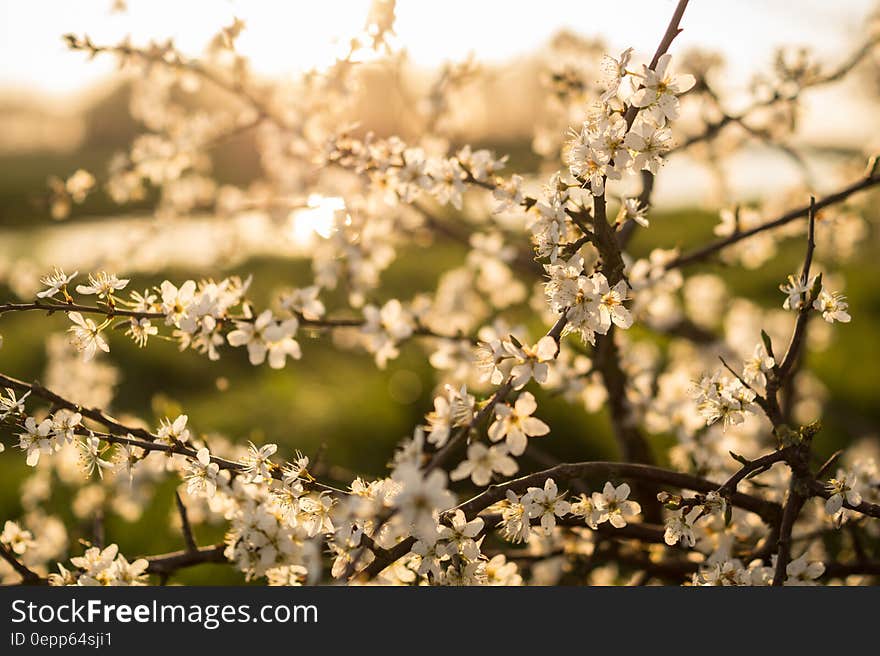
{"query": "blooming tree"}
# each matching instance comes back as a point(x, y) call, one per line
point(738, 499)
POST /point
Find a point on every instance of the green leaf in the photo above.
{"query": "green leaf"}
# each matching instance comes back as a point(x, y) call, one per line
point(768, 345)
point(816, 288)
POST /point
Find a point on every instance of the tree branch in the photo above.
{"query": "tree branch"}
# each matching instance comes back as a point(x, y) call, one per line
point(185, 527)
point(144, 439)
point(167, 564)
point(702, 253)
point(28, 576)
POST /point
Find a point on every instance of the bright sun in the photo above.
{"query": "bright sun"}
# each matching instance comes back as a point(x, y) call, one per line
point(316, 219)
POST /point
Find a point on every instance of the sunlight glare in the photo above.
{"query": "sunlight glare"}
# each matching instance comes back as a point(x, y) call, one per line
point(316, 219)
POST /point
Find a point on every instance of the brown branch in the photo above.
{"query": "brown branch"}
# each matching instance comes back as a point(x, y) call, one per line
point(817, 489)
point(630, 440)
point(185, 527)
point(797, 337)
point(841, 570)
point(28, 576)
point(767, 510)
point(714, 128)
point(797, 457)
point(783, 543)
point(51, 308)
point(703, 252)
point(387, 557)
point(170, 57)
point(672, 31)
point(632, 443)
point(113, 311)
point(752, 467)
point(143, 438)
point(167, 564)
point(641, 531)
point(613, 268)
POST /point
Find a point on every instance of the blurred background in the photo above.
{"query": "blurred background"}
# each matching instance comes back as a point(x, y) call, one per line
point(60, 112)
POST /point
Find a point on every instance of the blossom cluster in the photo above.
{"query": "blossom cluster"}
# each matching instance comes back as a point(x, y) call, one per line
point(589, 303)
point(549, 250)
point(725, 399)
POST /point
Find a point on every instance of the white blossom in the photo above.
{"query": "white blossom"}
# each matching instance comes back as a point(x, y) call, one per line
point(15, 538)
point(421, 497)
point(726, 573)
point(545, 504)
point(483, 462)
point(176, 302)
point(305, 302)
point(37, 439)
point(833, 306)
point(494, 361)
point(680, 527)
point(631, 209)
point(531, 361)
point(660, 90)
point(796, 291)
point(649, 142)
point(140, 330)
point(514, 524)
point(171, 432)
point(802, 572)
point(385, 328)
point(86, 336)
point(267, 336)
point(611, 308)
point(843, 488)
point(10, 405)
point(614, 71)
point(102, 284)
point(515, 424)
point(102, 567)
point(258, 464)
point(612, 505)
point(432, 554)
point(452, 409)
point(202, 474)
point(65, 424)
point(756, 368)
point(55, 282)
point(461, 534)
point(91, 456)
point(723, 399)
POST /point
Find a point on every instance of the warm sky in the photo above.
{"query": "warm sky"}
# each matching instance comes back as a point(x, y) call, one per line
point(284, 36)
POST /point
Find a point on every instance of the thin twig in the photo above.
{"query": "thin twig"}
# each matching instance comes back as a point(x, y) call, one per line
point(136, 436)
point(113, 311)
point(167, 564)
point(797, 337)
point(28, 576)
point(704, 252)
point(188, 537)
